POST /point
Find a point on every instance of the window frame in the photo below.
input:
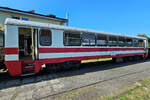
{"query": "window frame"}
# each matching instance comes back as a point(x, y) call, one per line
point(112, 44)
point(71, 32)
point(142, 42)
point(106, 43)
point(124, 41)
point(3, 38)
point(134, 42)
point(40, 37)
point(88, 39)
point(131, 45)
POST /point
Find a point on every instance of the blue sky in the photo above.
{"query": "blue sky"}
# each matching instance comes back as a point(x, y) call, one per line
point(117, 16)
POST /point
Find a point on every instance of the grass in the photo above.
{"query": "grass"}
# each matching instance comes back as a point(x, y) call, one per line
point(96, 60)
point(74, 93)
point(139, 91)
point(115, 69)
point(14, 95)
point(69, 94)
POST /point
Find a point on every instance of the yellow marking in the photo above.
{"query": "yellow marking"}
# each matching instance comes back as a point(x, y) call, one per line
point(96, 60)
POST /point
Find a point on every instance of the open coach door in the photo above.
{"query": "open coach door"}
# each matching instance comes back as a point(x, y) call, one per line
point(28, 44)
point(28, 49)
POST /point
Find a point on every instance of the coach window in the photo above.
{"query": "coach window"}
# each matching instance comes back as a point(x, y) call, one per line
point(45, 37)
point(101, 40)
point(112, 41)
point(121, 41)
point(129, 42)
point(1, 38)
point(72, 39)
point(141, 43)
point(88, 39)
point(135, 42)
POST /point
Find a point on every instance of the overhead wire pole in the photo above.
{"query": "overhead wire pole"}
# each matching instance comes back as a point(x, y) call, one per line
point(67, 19)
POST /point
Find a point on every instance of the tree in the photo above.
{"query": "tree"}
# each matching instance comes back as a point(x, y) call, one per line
point(145, 36)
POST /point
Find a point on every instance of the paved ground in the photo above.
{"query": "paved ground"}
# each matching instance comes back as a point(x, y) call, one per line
point(95, 81)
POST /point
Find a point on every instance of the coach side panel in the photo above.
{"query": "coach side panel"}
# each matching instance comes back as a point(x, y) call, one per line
point(11, 43)
point(11, 50)
point(57, 52)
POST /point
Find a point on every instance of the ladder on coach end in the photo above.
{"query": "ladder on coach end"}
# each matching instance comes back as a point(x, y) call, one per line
point(28, 68)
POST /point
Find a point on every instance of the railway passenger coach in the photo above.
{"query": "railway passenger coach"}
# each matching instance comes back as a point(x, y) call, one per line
point(30, 45)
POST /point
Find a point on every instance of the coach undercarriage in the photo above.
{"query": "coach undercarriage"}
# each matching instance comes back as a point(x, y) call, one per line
point(63, 66)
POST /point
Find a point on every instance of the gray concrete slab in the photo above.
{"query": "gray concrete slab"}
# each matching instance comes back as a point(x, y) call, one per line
point(43, 86)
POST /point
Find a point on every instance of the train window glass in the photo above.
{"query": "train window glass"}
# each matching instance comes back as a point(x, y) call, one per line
point(72, 39)
point(101, 40)
point(121, 41)
point(88, 39)
point(15, 17)
point(113, 41)
point(129, 42)
point(45, 37)
point(141, 43)
point(135, 42)
point(1, 38)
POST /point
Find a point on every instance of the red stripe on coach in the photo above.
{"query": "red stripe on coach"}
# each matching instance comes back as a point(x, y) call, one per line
point(63, 59)
point(65, 50)
point(11, 51)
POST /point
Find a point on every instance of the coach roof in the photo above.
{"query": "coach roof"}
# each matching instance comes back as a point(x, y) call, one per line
point(16, 22)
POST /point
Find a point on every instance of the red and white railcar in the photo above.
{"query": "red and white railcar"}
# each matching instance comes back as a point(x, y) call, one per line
point(29, 45)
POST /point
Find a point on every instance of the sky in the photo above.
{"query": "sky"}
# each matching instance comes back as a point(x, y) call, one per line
point(130, 17)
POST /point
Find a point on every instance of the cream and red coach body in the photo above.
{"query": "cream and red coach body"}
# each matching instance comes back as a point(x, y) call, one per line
point(29, 45)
